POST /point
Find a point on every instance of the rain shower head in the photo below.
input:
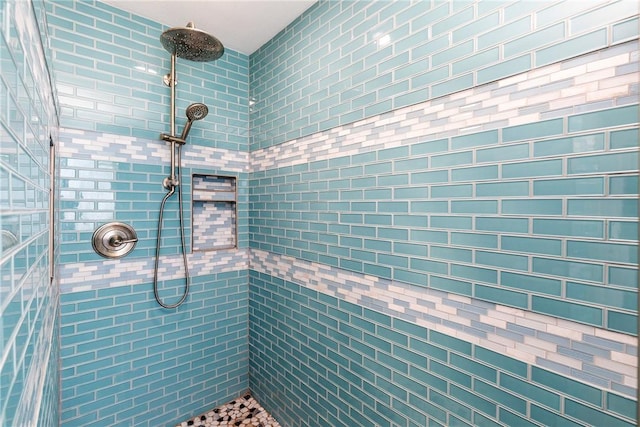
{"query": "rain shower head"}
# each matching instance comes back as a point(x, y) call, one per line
point(192, 44)
point(195, 111)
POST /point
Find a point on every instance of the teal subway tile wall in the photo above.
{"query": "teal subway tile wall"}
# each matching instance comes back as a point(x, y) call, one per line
point(126, 360)
point(463, 174)
point(29, 328)
point(435, 208)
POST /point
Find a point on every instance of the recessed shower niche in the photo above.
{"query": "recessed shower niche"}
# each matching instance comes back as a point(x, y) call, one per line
point(214, 212)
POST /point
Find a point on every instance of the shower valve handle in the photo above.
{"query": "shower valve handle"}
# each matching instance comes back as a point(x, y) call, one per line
point(117, 241)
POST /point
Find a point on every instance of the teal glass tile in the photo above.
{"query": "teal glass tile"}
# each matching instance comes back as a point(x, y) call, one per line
point(501, 396)
point(474, 273)
point(627, 138)
point(411, 220)
point(622, 322)
point(429, 266)
point(453, 254)
point(575, 186)
point(378, 168)
point(474, 400)
point(531, 391)
point(568, 227)
point(430, 177)
point(603, 207)
point(429, 236)
point(500, 361)
point(503, 189)
point(568, 310)
point(430, 77)
point(394, 260)
point(511, 225)
point(410, 249)
point(621, 405)
point(532, 41)
point(600, 295)
point(410, 98)
point(410, 277)
point(448, 342)
point(625, 30)
point(474, 206)
point(616, 162)
point(501, 154)
point(475, 139)
point(474, 239)
point(623, 184)
point(537, 168)
point(622, 276)
point(411, 193)
point(589, 415)
point(604, 118)
point(393, 153)
point(603, 251)
point(375, 219)
point(475, 27)
point(476, 173)
point(452, 85)
point(570, 269)
point(453, 20)
point(576, 144)
point(443, 160)
point(532, 207)
point(533, 245)
point(572, 47)
point(390, 180)
point(451, 191)
point(533, 130)
point(429, 147)
point(499, 34)
point(429, 207)
point(474, 368)
point(515, 262)
point(453, 222)
point(531, 283)
point(449, 285)
point(392, 233)
point(549, 418)
point(410, 164)
point(413, 67)
point(476, 61)
point(377, 270)
point(596, 17)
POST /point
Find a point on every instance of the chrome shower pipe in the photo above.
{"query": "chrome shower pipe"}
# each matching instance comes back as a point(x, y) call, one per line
point(172, 181)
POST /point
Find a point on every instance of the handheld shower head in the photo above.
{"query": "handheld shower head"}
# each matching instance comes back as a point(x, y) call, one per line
point(195, 111)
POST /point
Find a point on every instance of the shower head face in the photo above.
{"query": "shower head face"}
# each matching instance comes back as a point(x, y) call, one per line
point(192, 44)
point(197, 111)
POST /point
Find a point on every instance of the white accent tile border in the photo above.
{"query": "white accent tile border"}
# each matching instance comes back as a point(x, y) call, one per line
point(86, 276)
point(90, 145)
point(537, 345)
point(556, 90)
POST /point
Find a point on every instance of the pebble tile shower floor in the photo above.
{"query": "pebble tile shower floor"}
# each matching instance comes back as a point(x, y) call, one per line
point(243, 411)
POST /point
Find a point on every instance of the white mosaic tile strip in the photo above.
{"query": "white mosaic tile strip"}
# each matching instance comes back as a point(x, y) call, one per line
point(609, 359)
point(243, 411)
point(214, 225)
point(602, 79)
point(85, 276)
point(118, 148)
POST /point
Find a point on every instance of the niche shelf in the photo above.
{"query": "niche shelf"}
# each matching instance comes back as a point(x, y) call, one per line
point(214, 211)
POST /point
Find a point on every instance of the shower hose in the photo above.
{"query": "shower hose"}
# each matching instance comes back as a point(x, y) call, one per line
point(182, 239)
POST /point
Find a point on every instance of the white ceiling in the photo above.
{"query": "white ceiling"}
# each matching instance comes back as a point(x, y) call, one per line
point(241, 25)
